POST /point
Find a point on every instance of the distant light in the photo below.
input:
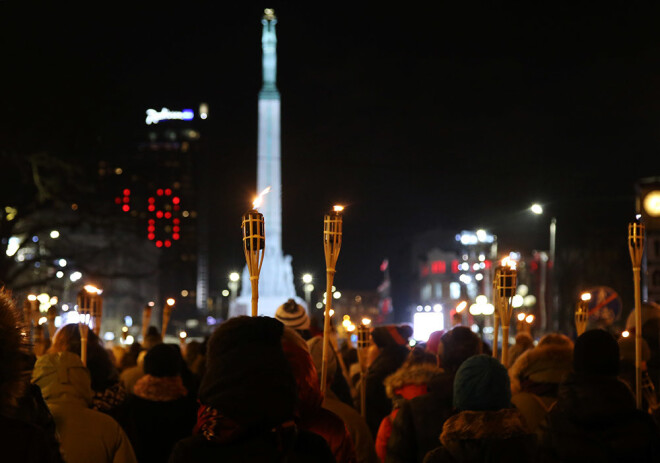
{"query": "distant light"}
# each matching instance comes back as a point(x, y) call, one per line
point(461, 306)
point(170, 301)
point(109, 336)
point(62, 262)
point(234, 276)
point(523, 290)
point(13, 245)
point(479, 277)
point(75, 276)
point(529, 300)
point(225, 292)
point(307, 278)
point(211, 321)
point(65, 307)
point(529, 319)
point(481, 299)
point(338, 208)
point(35, 238)
point(319, 305)
point(118, 171)
point(437, 308)
point(128, 320)
point(475, 309)
point(366, 321)
point(59, 274)
point(625, 334)
point(521, 316)
point(58, 321)
point(183, 335)
point(586, 296)
point(488, 309)
point(124, 329)
point(130, 339)
point(427, 308)
point(184, 293)
point(536, 209)
point(54, 234)
point(425, 323)
point(336, 295)
point(517, 301)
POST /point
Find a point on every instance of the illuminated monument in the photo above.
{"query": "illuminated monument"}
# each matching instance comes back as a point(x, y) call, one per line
point(276, 278)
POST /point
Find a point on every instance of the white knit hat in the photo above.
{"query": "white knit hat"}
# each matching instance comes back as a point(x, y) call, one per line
point(293, 315)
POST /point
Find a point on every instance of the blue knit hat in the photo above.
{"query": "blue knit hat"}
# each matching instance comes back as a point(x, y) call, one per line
point(482, 383)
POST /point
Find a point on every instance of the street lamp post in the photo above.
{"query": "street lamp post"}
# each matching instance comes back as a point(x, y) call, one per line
point(308, 287)
point(549, 261)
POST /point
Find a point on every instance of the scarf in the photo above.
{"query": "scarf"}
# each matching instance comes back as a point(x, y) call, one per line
point(216, 427)
point(157, 389)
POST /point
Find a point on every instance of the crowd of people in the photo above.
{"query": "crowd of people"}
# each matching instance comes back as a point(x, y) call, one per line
point(252, 392)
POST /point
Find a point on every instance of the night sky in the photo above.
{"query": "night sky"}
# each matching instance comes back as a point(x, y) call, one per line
point(452, 117)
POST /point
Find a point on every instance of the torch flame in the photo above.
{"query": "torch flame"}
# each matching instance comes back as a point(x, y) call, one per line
point(260, 197)
point(506, 262)
point(170, 301)
point(32, 297)
point(586, 296)
point(338, 208)
point(93, 289)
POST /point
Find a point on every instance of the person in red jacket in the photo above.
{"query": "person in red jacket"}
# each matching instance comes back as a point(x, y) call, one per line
point(408, 382)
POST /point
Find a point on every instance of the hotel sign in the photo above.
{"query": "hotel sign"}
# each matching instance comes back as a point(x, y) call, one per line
point(154, 116)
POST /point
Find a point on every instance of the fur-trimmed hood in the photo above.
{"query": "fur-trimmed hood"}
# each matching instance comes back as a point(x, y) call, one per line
point(417, 375)
point(15, 359)
point(545, 364)
point(495, 425)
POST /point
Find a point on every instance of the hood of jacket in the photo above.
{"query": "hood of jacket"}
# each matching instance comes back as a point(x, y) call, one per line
point(415, 375)
point(63, 378)
point(545, 364)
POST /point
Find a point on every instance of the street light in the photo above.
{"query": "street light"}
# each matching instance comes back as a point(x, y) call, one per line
point(234, 278)
point(308, 287)
point(550, 257)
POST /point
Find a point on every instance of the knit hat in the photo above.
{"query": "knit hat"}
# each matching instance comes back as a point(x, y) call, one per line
point(163, 360)
point(391, 335)
point(434, 341)
point(248, 378)
point(596, 352)
point(482, 383)
point(315, 345)
point(293, 315)
point(458, 344)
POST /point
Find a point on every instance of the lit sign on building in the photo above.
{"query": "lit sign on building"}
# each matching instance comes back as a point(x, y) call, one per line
point(154, 117)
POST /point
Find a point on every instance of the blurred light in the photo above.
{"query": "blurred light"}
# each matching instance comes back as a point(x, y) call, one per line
point(233, 276)
point(32, 297)
point(58, 321)
point(59, 274)
point(35, 239)
point(475, 309)
point(309, 288)
point(170, 301)
point(529, 300)
point(517, 301)
point(184, 293)
point(461, 306)
point(488, 309)
point(307, 278)
point(53, 300)
point(338, 208)
point(437, 308)
point(65, 307)
point(529, 319)
point(586, 296)
point(319, 305)
point(62, 262)
point(109, 336)
point(481, 299)
point(130, 339)
point(479, 277)
point(333, 289)
point(523, 290)
point(211, 321)
point(128, 320)
point(225, 292)
point(337, 295)
point(536, 209)
point(93, 289)
point(75, 276)
point(366, 321)
point(54, 234)
point(425, 323)
point(192, 323)
point(488, 329)
point(332, 312)
point(521, 316)
point(13, 245)
point(124, 329)
point(183, 335)
point(427, 308)
point(43, 320)
point(625, 334)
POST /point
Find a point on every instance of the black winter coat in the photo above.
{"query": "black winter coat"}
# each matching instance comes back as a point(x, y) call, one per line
point(419, 422)
point(307, 447)
point(378, 405)
point(498, 436)
point(595, 419)
point(154, 427)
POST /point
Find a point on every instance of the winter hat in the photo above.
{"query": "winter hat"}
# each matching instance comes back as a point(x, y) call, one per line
point(293, 315)
point(434, 341)
point(458, 344)
point(315, 345)
point(248, 378)
point(162, 360)
point(391, 335)
point(596, 352)
point(482, 383)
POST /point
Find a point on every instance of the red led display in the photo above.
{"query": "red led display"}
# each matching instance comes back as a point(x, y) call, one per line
point(164, 225)
point(438, 266)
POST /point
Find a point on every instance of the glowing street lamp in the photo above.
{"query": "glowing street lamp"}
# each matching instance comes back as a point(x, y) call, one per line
point(308, 287)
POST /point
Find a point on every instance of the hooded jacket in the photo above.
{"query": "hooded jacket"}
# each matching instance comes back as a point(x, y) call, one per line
point(477, 436)
point(535, 378)
point(404, 384)
point(595, 419)
point(85, 435)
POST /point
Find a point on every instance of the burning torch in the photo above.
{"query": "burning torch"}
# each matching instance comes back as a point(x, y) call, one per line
point(332, 233)
point(363, 334)
point(167, 313)
point(496, 313)
point(582, 313)
point(30, 309)
point(506, 289)
point(636, 247)
point(254, 244)
point(146, 318)
point(88, 298)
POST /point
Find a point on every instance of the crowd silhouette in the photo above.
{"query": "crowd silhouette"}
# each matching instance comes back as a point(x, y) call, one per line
point(251, 392)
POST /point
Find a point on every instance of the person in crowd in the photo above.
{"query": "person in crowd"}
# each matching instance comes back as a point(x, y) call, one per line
point(294, 316)
point(536, 374)
point(195, 358)
point(651, 334)
point(595, 417)
point(408, 382)
point(248, 401)
point(388, 351)
point(417, 425)
point(117, 354)
point(85, 435)
point(160, 411)
point(27, 429)
point(355, 423)
point(524, 342)
point(131, 375)
point(310, 413)
point(434, 341)
point(129, 359)
point(109, 394)
point(485, 426)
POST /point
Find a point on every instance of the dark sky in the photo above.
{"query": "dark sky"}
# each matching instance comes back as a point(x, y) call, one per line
point(415, 118)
